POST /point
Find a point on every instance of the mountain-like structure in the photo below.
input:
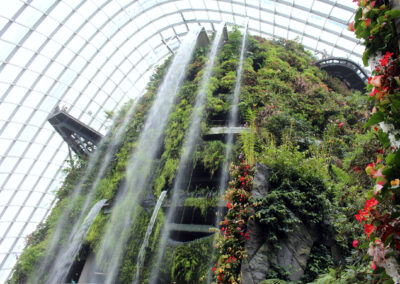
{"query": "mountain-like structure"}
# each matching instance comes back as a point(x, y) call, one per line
point(296, 149)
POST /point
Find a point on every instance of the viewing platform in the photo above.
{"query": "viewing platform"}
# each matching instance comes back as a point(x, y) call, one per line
point(80, 137)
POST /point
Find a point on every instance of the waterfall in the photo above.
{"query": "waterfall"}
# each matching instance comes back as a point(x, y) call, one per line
point(191, 141)
point(63, 262)
point(93, 159)
point(140, 164)
point(145, 243)
point(233, 121)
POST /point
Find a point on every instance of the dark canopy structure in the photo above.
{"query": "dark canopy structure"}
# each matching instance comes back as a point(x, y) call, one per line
point(347, 70)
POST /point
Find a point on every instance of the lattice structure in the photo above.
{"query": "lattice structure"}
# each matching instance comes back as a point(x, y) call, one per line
point(95, 55)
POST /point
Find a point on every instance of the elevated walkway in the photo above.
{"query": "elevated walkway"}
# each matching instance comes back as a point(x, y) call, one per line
point(80, 137)
point(350, 72)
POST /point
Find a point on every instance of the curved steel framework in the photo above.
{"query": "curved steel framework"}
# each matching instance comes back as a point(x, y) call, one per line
point(350, 72)
point(95, 55)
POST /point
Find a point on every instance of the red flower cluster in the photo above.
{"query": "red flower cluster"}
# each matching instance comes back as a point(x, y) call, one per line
point(363, 215)
point(230, 244)
point(385, 60)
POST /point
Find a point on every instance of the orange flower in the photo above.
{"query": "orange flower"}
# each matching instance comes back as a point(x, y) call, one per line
point(351, 27)
point(395, 182)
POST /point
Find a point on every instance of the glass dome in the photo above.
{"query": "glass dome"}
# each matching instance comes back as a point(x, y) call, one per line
point(92, 56)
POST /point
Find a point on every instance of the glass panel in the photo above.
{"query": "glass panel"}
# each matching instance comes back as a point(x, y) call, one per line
point(25, 212)
point(22, 56)
point(38, 215)
point(5, 196)
point(10, 261)
point(18, 148)
point(9, 73)
point(20, 197)
point(29, 181)
point(10, 214)
point(33, 201)
point(14, 33)
point(15, 229)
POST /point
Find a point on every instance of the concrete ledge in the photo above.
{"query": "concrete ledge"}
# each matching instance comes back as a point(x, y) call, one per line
point(191, 228)
point(225, 130)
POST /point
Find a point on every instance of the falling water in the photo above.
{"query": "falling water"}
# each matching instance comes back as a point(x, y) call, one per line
point(233, 121)
point(93, 160)
point(188, 148)
point(64, 218)
point(64, 261)
point(141, 162)
point(145, 243)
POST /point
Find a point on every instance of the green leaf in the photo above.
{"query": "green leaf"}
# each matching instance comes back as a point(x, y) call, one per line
point(393, 13)
point(374, 119)
point(365, 57)
point(384, 139)
point(395, 101)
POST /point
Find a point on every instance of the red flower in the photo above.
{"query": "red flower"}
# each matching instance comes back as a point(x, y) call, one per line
point(229, 205)
point(367, 22)
point(355, 243)
point(373, 266)
point(376, 128)
point(373, 93)
point(371, 203)
point(356, 169)
point(368, 229)
point(385, 60)
point(380, 150)
point(214, 268)
point(359, 217)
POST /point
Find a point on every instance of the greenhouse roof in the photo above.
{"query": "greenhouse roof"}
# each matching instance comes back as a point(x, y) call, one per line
point(92, 56)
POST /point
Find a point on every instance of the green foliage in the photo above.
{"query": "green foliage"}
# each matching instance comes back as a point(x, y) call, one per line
point(297, 191)
point(276, 273)
point(319, 261)
point(136, 235)
point(201, 202)
point(190, 262)
point(273, 281)
point(211, 155)
point(303, 124)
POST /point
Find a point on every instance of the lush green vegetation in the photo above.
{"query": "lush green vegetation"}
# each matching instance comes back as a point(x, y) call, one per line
point(306, 126)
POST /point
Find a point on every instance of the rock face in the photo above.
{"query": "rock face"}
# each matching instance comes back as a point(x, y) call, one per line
point(295, 251)
point(295, 246)
point(260, 183)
